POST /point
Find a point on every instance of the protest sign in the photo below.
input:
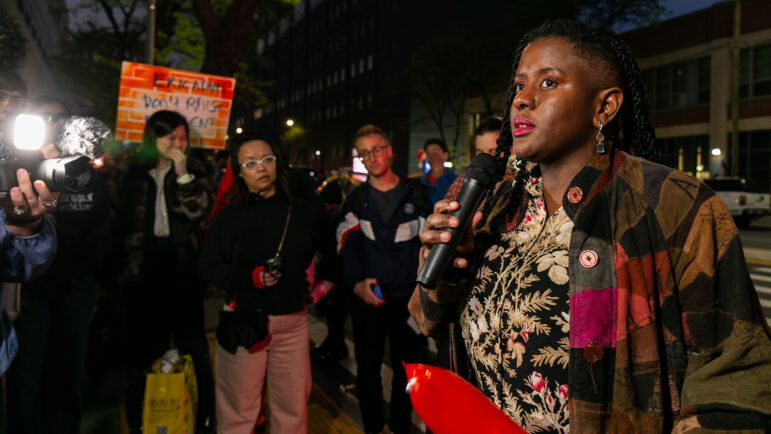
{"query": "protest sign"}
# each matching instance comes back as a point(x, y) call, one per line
point(205, 100)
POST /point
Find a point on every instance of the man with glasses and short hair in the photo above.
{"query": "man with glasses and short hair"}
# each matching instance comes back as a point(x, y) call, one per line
point(378, 244)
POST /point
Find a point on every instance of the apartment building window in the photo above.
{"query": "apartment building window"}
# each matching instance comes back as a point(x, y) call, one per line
point(687, 153)
point(342, 74)
point(361, 65)
point(370, 62)
point(353, 69)
point(755, 158)
point(755, 71)
point(678, 85)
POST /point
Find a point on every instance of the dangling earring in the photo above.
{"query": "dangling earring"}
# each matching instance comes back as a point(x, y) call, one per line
point(600, 140)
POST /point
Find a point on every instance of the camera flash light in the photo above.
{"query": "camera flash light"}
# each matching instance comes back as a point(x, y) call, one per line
point(29, 132)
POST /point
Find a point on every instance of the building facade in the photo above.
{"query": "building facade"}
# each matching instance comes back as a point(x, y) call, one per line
point(341, 64)
point(686, 65)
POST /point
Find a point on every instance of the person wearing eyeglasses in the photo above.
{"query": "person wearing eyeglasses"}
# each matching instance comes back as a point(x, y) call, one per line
point(162, 198)
point(257, 249)
point(378, 246)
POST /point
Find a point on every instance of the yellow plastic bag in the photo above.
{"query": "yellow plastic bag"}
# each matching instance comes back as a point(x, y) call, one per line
point(170, 399)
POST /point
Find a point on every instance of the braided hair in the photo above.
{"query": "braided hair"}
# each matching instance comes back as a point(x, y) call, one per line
point(611, 55)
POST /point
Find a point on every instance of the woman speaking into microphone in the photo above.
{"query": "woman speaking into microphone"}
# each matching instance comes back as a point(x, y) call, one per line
point(604, 292)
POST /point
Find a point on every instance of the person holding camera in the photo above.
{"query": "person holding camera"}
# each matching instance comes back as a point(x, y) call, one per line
point(257, 249)
point(163, 196)
point(44, 385)
point(27, 233)
point(28, 241)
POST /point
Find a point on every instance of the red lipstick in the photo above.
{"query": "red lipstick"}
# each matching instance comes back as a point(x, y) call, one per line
point(521, 125)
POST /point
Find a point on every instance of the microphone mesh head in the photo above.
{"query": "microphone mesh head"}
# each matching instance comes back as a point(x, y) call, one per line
point(482, 169)
point(83, 136)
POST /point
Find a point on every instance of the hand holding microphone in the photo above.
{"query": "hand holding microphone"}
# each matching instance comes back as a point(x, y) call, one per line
point(435, 232)
point(448, 228)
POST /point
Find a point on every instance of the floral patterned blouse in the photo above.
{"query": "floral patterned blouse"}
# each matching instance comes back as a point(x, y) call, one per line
point(515, 319)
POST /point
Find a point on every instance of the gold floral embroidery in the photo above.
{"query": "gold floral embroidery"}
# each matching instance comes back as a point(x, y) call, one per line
point(513, 300)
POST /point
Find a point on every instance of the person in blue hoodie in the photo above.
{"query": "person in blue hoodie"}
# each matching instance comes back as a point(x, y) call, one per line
point(440, 178)
point(379, 246)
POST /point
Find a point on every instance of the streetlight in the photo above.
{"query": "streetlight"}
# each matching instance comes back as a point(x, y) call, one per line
point(318, 153)
point(239, 130)
point(716, 152)
point(289, 122)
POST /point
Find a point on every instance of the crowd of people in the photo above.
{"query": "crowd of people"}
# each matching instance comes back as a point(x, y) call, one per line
point(595, 290)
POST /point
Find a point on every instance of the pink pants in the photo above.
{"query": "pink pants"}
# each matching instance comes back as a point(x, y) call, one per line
point(240, 378)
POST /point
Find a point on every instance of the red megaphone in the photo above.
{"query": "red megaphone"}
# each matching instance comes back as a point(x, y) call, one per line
point(449, 404)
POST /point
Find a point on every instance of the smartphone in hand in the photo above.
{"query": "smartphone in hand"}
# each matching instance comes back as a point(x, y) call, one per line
point(273, 265)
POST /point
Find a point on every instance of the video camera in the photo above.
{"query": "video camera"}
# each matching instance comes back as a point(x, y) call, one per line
point(79, 141)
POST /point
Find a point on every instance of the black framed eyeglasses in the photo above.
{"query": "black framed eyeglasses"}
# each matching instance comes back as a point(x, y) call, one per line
point(268, 161)
point(375, 152)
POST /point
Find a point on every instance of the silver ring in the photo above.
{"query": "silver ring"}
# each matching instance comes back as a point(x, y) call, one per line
point(50, 203)
point(19, 210)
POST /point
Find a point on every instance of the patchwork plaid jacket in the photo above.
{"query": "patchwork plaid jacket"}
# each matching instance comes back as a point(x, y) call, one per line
point(666, 329)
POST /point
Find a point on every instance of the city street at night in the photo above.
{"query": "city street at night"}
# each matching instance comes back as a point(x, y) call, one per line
point(385, 216)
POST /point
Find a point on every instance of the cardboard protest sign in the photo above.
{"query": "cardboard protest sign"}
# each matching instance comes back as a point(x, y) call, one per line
point(205, 100)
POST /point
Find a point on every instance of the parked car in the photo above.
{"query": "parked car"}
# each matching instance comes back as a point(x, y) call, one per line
point(743, 204)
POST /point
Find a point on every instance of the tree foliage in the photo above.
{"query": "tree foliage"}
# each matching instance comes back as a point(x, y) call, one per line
point(211, 36)
point(103, 35)
point(474, 60)
point(620, 14)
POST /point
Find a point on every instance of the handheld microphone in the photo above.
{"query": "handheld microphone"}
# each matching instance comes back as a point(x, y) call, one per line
point(480, 177)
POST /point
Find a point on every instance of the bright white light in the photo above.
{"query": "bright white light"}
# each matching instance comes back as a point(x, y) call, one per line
point(289, 122)
point(700, 168)
point(318, 153)
point(448, 164)
point(239, 130)
point(359, 167)
point(29, 132)
point(716, 152)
